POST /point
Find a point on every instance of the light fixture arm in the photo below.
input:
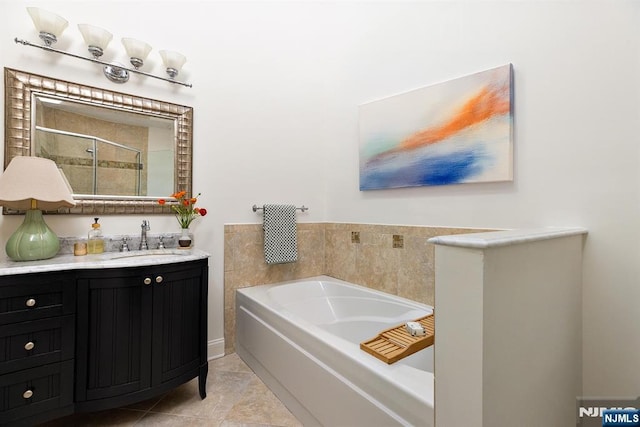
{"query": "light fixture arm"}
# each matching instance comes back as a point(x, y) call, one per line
point(97, 61)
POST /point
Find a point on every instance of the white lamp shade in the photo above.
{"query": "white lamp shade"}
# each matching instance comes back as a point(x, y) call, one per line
point(95, 36)
point(136, 48)
point(172, 59)
point(47, 22)
point(34, 178)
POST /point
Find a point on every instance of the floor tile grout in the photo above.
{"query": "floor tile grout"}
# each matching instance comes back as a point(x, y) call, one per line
point(235, 396)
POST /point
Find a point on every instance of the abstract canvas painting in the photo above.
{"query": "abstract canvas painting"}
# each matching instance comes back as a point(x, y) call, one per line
point(459, 131)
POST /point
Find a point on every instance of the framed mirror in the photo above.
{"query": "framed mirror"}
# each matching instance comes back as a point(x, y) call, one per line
point(120, 153)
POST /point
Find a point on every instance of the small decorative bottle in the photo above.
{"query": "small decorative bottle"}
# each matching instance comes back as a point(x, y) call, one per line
point(96, 242)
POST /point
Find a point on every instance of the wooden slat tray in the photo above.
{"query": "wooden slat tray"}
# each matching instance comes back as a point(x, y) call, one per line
point(396, 343)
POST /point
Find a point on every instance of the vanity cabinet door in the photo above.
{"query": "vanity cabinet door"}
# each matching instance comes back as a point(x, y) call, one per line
point(141, 331)
point(114, 335)
point(179, 309)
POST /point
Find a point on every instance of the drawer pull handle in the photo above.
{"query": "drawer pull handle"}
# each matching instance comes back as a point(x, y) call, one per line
point(159, 279)
point(31, 302)
point(29, 346)
point(147, 280)
point(27, 394)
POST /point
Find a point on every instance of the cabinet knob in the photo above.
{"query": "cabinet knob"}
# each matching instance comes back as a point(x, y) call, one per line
point(159, 279)
point(147, 280)
point(29, 346)
point(31, 302)
point(27, 394)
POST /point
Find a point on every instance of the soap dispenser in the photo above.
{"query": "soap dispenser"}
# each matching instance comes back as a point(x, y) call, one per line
point(96, 242)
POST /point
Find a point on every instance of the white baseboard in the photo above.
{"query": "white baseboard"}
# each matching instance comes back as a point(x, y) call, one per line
point(215, 349)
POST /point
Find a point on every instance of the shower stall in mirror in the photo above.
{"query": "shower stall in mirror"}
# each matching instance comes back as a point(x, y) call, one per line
point(161, 131)
point(93, 165)
point(105, 153)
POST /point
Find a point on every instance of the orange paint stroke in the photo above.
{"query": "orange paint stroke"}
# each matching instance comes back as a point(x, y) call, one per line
point(484, 105)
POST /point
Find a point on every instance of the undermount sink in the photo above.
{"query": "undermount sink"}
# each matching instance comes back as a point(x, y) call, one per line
point(151, 254)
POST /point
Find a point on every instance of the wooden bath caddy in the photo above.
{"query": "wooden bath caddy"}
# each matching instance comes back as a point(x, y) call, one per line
point(396, 343)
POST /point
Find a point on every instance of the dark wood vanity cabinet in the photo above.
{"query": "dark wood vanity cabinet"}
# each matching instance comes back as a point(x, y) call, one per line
point(141, 331)
point(95, 339)
point(37, 346)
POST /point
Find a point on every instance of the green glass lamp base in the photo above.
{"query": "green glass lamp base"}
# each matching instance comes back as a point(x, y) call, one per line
point(33, 240)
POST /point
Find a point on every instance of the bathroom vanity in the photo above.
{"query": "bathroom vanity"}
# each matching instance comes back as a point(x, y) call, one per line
point(100, 331)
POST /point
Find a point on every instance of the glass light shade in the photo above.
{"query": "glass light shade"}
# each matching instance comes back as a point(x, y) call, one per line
point(136, 49)
point(48, 23)
point(95, 36)
point(172, 59)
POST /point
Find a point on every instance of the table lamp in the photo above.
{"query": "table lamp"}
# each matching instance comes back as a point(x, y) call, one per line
point(32, 184)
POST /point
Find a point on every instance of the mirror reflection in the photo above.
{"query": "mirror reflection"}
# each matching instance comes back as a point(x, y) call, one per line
point(120, 152)
point(104, 151)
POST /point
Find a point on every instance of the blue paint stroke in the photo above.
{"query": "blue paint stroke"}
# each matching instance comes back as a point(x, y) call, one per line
point(427, 169)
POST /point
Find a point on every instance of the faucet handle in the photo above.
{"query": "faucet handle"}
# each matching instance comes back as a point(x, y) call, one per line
point(124, 247)
point(161, 242)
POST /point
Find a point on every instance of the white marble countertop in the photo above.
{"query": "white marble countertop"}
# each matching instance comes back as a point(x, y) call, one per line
point(104, 260)
point(506, 237)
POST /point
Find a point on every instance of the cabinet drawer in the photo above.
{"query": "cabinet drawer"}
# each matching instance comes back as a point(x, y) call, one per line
point(39, 342)
point(169, 274)
point(50, 387)
point(29, 297)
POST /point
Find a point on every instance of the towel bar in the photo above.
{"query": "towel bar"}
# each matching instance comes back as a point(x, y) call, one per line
point(256, 208)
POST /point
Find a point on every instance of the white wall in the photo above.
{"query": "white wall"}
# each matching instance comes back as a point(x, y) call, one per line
point(576, 67)
point(276, 90)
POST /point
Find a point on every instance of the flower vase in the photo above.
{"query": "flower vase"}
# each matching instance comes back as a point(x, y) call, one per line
point(185, 239)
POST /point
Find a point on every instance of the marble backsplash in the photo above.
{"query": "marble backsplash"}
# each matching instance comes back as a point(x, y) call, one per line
point(391, 258)
point(113, 243)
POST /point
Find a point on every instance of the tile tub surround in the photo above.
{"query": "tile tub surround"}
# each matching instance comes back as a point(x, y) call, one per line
point(244, 264)
point(358, 253)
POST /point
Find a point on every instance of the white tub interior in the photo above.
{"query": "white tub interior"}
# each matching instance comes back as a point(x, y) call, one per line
point(303, 339)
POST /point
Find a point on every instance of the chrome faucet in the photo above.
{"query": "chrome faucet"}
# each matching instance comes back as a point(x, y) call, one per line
point(143, 237)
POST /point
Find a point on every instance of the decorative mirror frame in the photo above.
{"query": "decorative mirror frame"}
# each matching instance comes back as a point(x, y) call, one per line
point(20, 89)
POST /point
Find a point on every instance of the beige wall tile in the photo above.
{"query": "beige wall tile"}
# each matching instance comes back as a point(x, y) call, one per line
point(245, 264)
point(327, 249)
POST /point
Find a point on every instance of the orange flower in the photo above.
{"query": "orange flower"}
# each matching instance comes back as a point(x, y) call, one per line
point(184, 208)
point(161, 202)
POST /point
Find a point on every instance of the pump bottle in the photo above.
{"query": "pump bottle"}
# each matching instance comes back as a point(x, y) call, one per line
point(96, 242)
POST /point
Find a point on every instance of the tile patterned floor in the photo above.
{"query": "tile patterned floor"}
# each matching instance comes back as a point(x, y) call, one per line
point(235, 398)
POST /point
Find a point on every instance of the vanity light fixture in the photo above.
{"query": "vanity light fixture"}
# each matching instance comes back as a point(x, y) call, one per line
point(137, 51)
point(173, 62)
point(31, 184)
point(50, 27)
point(96, 39)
